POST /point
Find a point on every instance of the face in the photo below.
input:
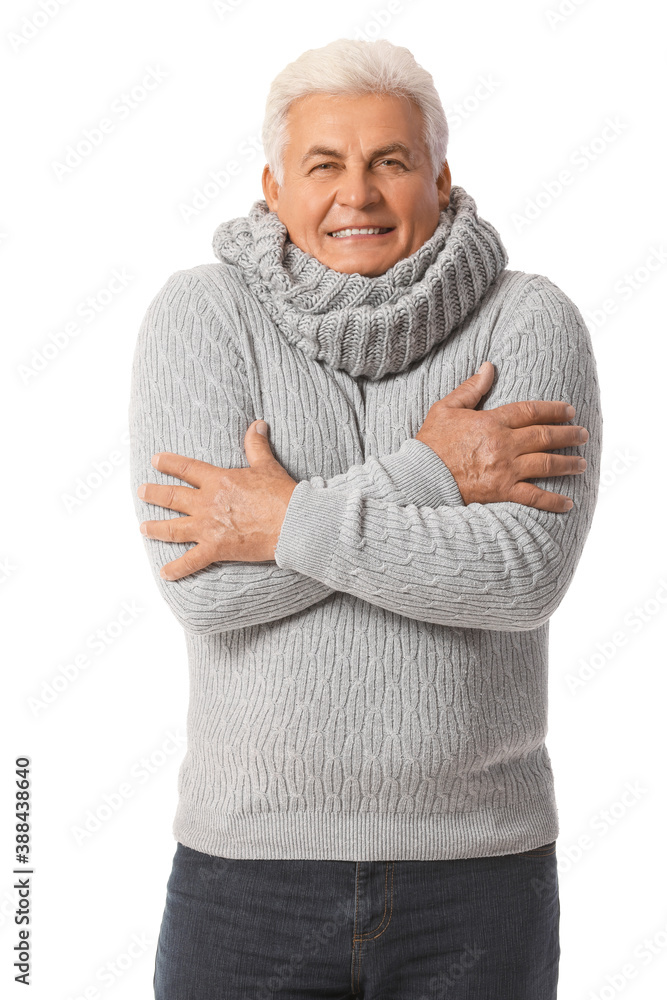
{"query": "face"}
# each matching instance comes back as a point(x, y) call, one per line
point(353, 163)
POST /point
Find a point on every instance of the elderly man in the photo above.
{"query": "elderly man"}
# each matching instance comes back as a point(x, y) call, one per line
point(366, 805)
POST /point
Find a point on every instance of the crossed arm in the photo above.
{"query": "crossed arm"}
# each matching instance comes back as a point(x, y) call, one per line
point(394, 531)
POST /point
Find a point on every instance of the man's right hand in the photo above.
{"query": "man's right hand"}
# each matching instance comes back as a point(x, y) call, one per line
point(492, 452)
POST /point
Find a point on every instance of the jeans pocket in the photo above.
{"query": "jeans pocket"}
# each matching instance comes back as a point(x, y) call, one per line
point(538, 852)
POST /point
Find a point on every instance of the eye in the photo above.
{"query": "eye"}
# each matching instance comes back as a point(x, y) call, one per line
point(396, 162)
point(317, 167)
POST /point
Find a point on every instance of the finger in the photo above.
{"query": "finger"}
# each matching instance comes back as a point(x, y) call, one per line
point(543, 466)
point(172, 529)
point(532, 496)
point(180, 498)
point(535, 411)
point(257, 447)
point(547, 437)
point(192, 470)
point(196, 558)
point(469, 393)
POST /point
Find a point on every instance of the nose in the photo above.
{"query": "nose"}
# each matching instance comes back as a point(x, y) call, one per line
point(357, 188)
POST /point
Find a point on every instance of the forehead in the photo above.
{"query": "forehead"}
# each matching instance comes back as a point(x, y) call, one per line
point(365, 119)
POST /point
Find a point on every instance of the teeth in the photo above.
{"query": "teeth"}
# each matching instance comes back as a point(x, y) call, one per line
point(355, 232)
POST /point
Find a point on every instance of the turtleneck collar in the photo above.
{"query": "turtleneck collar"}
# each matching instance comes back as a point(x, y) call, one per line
point(368, 326)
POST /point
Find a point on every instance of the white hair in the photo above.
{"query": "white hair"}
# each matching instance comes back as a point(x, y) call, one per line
point(354, 67)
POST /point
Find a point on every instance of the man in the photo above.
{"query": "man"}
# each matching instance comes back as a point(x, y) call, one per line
point(366, 806)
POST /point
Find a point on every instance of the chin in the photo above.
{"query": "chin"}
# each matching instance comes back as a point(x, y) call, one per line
point(359, 268)
point(362, 265)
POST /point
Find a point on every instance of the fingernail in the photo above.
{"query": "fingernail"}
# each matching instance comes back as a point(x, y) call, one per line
point(260, 427)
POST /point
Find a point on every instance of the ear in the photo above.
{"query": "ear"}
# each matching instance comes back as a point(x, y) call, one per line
point(444, 186)
point(270, 188)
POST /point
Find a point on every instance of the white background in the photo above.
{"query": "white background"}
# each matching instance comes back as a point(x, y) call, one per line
point(529, 93)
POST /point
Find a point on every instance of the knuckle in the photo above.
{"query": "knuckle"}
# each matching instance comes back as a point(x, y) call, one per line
point(546, 462)
point(532, 496)
point(530, 408)
point(546, 435)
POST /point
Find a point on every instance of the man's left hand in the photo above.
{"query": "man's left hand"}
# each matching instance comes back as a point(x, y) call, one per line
point(234, 515)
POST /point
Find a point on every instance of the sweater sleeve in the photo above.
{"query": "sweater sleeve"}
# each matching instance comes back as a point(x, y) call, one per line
point(502, 566)
point(414, 474)
point(189, 395)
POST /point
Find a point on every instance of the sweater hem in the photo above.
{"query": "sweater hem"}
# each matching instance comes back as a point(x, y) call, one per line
point(363, 836)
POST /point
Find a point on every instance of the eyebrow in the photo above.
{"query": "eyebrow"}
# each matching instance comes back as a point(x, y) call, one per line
point(392, 147)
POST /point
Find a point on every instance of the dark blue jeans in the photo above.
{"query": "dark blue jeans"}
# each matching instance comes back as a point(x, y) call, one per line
point(468, 929)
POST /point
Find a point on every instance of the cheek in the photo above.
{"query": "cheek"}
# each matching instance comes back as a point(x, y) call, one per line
point(413, 208)
point(426, 215)
point(308, 216)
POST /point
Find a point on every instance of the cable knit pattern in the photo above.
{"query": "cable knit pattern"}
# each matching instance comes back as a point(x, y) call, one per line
point(367, 326)
point(380, 691)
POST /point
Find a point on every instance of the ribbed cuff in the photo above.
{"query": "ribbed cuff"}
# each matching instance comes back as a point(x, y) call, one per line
point(314, 516)
point(310, 531)
point(421, 475)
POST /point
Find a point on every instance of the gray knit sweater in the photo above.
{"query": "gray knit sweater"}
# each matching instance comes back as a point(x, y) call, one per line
point(380, 691)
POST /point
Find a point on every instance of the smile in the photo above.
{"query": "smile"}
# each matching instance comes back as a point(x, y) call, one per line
point(361, 231)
